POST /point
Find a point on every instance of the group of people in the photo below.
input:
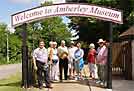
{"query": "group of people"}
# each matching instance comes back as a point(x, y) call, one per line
point(97, 61)
point(49, 63)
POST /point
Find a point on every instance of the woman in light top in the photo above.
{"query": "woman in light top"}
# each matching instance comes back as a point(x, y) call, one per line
point(50, 51)
point(71, 61)
point(79, 63)
point(50, 54)
point(55, 63)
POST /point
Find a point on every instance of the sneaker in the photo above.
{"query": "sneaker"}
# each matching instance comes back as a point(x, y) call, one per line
point(40, 87)
point(76, 78)
point(49, 87)
point(44, 84)
point(98, 82)
point(102, 83)
point(56, 79)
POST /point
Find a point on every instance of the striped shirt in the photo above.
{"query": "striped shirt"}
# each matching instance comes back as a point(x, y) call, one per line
point(41, 54)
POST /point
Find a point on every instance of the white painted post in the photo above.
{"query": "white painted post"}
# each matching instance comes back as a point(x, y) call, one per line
point(7, 48)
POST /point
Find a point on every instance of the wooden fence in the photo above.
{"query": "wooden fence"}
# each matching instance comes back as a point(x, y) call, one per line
point(121, 59)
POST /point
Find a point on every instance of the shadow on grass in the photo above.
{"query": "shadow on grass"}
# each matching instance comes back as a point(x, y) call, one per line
point(14, 84)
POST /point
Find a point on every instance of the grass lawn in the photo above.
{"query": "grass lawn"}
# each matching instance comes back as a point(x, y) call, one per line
point(11, 84)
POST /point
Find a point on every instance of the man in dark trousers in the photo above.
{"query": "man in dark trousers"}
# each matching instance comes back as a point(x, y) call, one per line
point(40, 60)
point(63, 63)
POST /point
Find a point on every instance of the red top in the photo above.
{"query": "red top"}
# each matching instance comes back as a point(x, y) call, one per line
point(91, 56)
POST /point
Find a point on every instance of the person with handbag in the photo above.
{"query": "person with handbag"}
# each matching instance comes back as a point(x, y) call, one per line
point(79, 62)
point(55, 63)
point(63, 60)
point(40, 60)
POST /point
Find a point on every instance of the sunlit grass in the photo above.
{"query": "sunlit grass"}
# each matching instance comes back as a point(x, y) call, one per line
point(12, 83)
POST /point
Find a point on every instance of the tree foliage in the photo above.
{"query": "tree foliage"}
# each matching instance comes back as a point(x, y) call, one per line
point(49, 29)
point(91, 29)
point(13, 45)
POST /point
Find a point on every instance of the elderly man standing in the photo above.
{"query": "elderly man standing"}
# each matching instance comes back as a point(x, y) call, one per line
point(63, 62)
point(40, 59)
point(102, 53)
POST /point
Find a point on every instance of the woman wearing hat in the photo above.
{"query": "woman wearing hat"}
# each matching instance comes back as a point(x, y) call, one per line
point(92, 60)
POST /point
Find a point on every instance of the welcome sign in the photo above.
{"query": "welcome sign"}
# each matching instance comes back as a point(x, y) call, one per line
point(67, 10)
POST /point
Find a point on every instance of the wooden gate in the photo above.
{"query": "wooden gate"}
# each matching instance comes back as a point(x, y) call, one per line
point(122, 60)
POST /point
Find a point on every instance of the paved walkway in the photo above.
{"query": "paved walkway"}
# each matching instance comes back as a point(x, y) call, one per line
point(10, 69)
point(118, 85)
point(70, 86)
point(123, 85)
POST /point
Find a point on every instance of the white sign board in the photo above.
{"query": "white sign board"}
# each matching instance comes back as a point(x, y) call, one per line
point(67, 10)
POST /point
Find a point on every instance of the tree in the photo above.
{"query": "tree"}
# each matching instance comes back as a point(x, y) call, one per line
point(90, 29)
point(14, 44)
point(3, 42)
point(50, 31)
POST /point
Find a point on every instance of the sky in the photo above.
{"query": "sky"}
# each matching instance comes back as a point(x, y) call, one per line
point(9, 7)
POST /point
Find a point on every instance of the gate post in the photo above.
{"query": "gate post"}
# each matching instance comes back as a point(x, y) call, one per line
point(24, 56)
point(109, 63)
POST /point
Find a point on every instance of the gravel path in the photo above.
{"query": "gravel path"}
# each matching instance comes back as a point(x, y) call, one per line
point(10, 69)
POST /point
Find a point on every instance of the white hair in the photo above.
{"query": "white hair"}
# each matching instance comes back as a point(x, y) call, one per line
point(91, 45)
point(55, 43)
point(63, 41)
point(51, 42)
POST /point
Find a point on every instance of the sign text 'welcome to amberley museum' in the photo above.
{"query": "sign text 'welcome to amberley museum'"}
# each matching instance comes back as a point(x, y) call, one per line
point(67, 10)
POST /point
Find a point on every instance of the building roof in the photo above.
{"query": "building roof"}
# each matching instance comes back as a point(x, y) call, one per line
point(129, 32)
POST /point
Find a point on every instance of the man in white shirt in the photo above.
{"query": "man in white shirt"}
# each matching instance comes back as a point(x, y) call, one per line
point(63, 62)
point(40, 60)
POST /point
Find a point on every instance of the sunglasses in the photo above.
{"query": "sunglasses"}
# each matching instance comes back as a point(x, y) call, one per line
point(101, 43)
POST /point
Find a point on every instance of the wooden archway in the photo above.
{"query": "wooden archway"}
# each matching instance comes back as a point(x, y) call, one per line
point(64, 9)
